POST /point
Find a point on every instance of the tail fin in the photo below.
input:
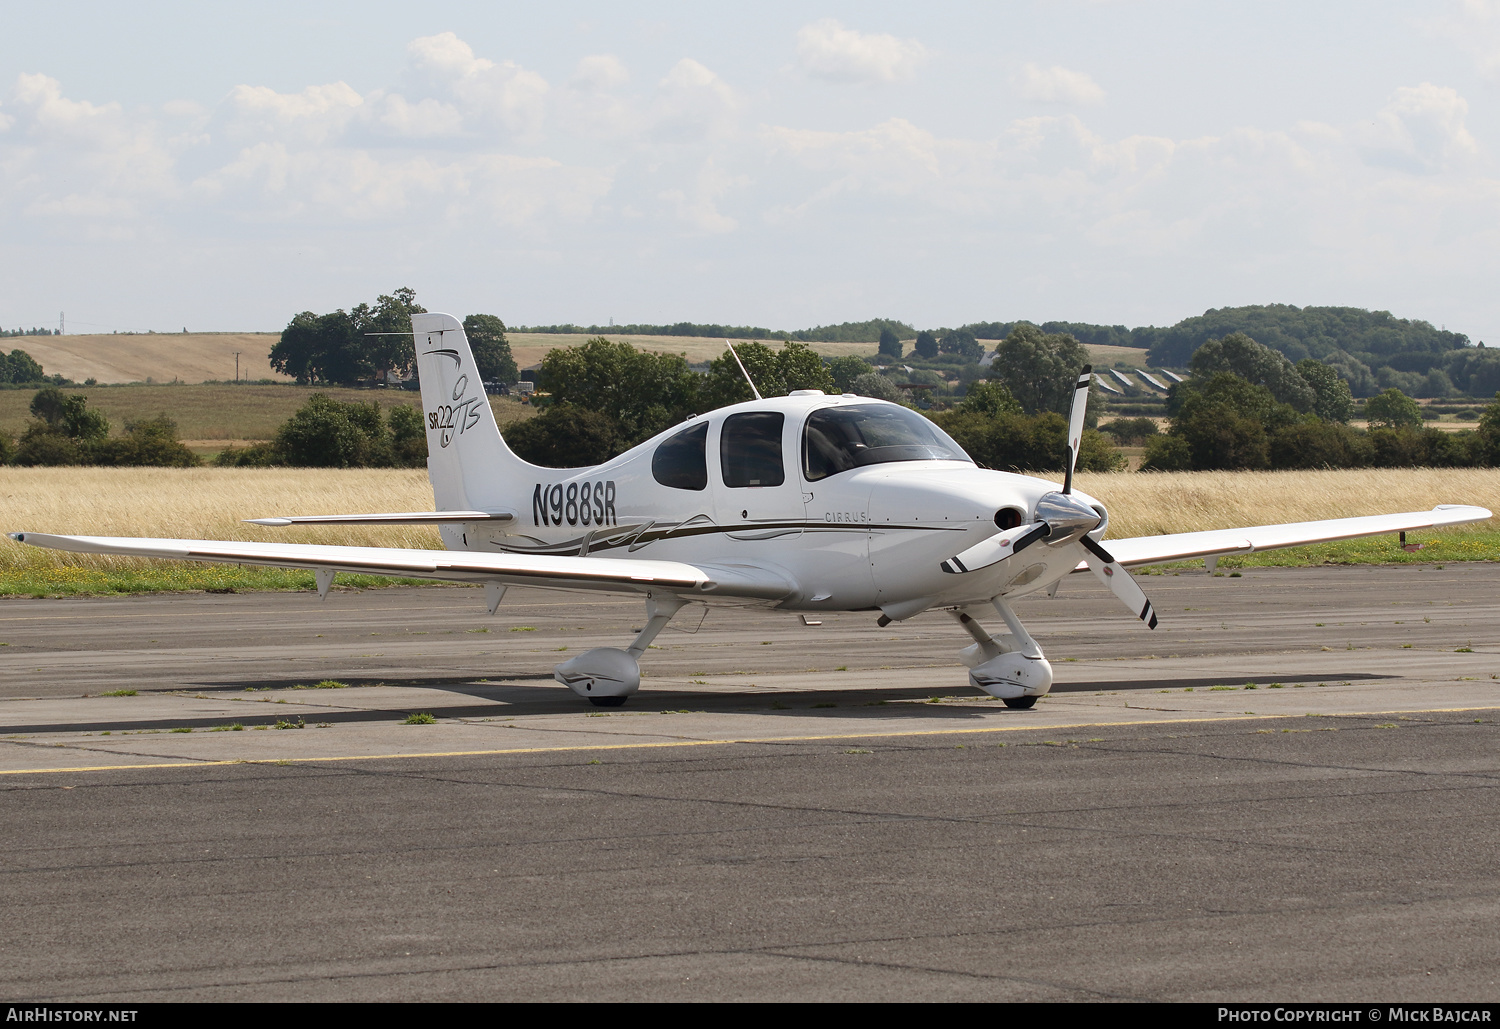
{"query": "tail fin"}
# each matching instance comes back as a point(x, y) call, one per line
point(468, 463)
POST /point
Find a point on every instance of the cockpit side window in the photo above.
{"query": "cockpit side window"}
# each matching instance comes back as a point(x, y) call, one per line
point(681, 460)
point(750, 449)
point(837, 439)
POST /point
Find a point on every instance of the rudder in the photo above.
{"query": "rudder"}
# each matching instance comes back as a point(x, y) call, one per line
point(469, 465)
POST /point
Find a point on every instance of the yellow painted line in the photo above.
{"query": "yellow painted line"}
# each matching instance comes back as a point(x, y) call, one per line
point(747, 740)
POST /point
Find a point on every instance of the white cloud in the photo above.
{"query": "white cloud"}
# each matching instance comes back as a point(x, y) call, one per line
point(827, 50)
point(315, 115)
point(698, 207)
point(1421, 129)
point(1056, 85)
point(501, 93)
point(425, 119)
point(692, 103)
point(598, 73)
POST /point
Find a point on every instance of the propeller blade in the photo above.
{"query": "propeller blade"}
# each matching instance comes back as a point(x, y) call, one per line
point(1120, 582)
point(1075, 423)
point(997, 548)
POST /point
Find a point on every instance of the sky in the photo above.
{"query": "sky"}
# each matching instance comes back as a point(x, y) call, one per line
point(225, 166)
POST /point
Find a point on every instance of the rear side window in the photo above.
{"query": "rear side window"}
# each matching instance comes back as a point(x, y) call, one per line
point(750, 449)
point(681, 461)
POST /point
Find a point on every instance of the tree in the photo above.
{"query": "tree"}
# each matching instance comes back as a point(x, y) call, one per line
point(566, 436)
point(1487, 439)
point(1315, 443)
point(152, 442)
point(322, 348)
point(643, 393)
point(1393, 410)
point(926, 346)
point(408, 437)
point(491, 349)
point(68, 415)
point(1332, 400)
point(328, 434)
point(1251, 361)
point(890, 343)
point(962, 344)
point(384, 332)
point(1040, 370)
point(990, 398)
point(776, 373)
point(20, 368)
point(844, 370)
point(873, 384)
point(346, 347)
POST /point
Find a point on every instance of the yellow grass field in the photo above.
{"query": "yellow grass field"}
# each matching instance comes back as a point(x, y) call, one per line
point(208, 413)
point(209, 503)
point(197, 357)
point(160, 356)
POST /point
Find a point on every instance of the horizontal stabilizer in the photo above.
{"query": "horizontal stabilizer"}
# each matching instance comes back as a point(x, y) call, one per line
point(398, 518)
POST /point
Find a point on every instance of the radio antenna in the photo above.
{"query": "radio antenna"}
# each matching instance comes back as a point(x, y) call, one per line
point(742, 370)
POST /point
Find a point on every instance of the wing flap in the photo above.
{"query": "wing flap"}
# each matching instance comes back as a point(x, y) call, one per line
point(1183, 546)
point(591, 573)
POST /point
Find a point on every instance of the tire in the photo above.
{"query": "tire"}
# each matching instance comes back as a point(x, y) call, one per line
point(607, 701)
point(1019, 703)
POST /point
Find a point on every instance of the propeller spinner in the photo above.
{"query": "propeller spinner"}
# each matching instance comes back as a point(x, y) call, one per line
point(1062, 520)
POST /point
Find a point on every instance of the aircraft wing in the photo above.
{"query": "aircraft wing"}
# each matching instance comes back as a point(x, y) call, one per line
point(611, 575)
point(1182, 546)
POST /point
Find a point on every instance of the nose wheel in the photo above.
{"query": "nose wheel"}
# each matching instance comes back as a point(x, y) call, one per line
point(1019, 703)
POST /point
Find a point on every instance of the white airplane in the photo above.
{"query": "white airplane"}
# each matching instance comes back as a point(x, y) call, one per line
point(806, 503)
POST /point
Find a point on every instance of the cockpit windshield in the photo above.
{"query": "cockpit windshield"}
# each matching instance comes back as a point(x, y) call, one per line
point(837, 439)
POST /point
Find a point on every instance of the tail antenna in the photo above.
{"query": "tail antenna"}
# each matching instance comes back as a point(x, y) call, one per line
point(742, 370)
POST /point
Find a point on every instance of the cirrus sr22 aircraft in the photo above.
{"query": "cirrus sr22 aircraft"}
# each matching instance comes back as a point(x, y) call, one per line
point(806, 503)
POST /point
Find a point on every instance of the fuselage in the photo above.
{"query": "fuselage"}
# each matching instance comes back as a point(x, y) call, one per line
point(843, 495)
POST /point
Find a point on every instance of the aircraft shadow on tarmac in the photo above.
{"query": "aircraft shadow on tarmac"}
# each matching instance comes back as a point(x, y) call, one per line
point(511, 700)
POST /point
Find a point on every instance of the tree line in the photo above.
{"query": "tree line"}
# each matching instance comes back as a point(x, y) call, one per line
point(1246, 406)
point(372, 343)
point(64, 430)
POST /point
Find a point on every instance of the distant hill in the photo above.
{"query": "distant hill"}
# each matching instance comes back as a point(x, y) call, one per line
point(1373, 350)
point(160, 356)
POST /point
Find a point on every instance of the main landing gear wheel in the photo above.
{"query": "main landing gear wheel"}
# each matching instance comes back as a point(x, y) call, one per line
point(616, 701)
point(1019, 703)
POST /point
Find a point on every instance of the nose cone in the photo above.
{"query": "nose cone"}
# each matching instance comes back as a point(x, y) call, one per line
point(1067, 516)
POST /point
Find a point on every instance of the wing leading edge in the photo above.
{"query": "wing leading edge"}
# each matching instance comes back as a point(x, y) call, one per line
point(1183, 546)
point(587, 573)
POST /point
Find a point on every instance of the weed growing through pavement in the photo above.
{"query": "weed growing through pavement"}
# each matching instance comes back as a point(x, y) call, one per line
point(420, 718)
point(119, 693)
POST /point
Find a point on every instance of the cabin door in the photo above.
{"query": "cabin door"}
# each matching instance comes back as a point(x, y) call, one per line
point(757, 492)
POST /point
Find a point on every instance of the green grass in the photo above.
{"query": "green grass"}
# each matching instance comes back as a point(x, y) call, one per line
point(1438, 548)
point(420, 718)
point(75, 581)
point(211, 411)
point(119, 693)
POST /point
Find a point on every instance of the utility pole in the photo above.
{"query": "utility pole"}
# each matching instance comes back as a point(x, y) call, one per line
point(60, 324)
point(236, 366)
